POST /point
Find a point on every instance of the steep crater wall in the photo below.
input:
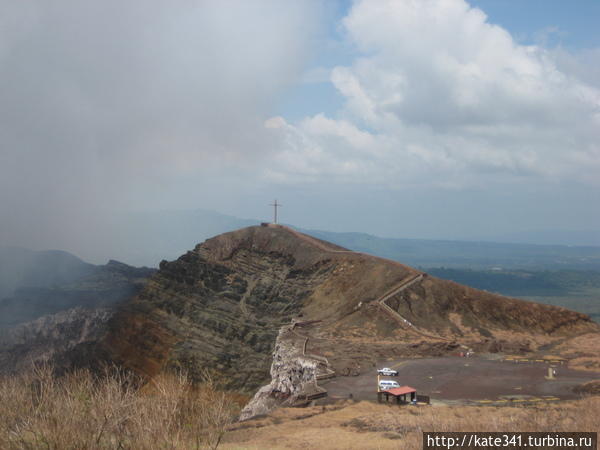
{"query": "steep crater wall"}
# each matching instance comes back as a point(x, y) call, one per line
point(216, 308)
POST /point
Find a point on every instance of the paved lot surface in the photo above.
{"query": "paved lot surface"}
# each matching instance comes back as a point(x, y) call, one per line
point(467, 380)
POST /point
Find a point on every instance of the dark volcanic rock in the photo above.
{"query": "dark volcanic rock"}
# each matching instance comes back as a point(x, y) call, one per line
point(219, 308)
point(52, 339)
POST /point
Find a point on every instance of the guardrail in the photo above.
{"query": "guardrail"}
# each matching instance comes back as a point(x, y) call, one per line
point(322, 360)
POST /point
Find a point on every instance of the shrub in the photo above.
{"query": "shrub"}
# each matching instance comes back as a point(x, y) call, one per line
point(81, 410)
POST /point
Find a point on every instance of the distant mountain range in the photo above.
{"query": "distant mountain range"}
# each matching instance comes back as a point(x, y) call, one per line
point(551, 237)
point(469, 254)
point(147, 238)
point(20, 267)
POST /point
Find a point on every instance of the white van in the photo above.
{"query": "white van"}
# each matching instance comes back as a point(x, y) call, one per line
point(384, 385)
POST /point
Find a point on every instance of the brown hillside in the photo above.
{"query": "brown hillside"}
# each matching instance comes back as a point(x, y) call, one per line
point(221, 306)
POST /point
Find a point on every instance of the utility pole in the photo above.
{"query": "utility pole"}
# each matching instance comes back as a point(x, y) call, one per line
point(275, 205)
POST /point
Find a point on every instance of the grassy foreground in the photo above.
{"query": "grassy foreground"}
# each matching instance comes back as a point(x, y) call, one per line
point(366, 425)
point(81, 411)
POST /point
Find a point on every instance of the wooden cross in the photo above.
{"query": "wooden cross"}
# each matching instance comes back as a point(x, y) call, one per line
point(275, 205)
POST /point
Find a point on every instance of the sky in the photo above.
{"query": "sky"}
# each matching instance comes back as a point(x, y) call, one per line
point(445, 119)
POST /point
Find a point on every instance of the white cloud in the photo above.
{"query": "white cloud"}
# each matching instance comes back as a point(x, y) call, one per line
point(439, 96)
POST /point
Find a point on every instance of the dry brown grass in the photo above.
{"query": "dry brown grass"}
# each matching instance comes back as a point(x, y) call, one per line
point(368, 425)
point(583, 352)
point(81, 411)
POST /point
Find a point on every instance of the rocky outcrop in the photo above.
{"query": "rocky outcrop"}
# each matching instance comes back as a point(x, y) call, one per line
point(292, 376)
point(221, 305)
point(52, 339)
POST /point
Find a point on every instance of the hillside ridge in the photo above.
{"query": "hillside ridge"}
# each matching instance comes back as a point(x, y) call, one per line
point(231, 302)
point(222, 305)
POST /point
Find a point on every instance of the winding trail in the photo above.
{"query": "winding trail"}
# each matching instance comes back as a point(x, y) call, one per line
point(322, 246)
point(249, 289)
point(324, 370)
point(404, 285)
point(381, 301)
point(323, 365)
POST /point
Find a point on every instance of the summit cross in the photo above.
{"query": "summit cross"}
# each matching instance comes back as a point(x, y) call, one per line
point(275, 205)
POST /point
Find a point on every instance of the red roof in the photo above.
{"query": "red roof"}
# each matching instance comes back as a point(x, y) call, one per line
point(401, 390)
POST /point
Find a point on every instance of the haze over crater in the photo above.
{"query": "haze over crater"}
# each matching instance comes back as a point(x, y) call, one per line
point(433, 119)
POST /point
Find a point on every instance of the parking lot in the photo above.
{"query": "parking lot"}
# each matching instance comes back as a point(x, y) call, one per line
point(469, 380)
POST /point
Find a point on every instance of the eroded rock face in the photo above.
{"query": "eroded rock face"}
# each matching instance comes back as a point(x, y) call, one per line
point(52, 339)
point(219, 307)
point(292, 374)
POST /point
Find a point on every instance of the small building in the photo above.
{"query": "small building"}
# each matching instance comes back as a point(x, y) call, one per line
point(399, 394)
